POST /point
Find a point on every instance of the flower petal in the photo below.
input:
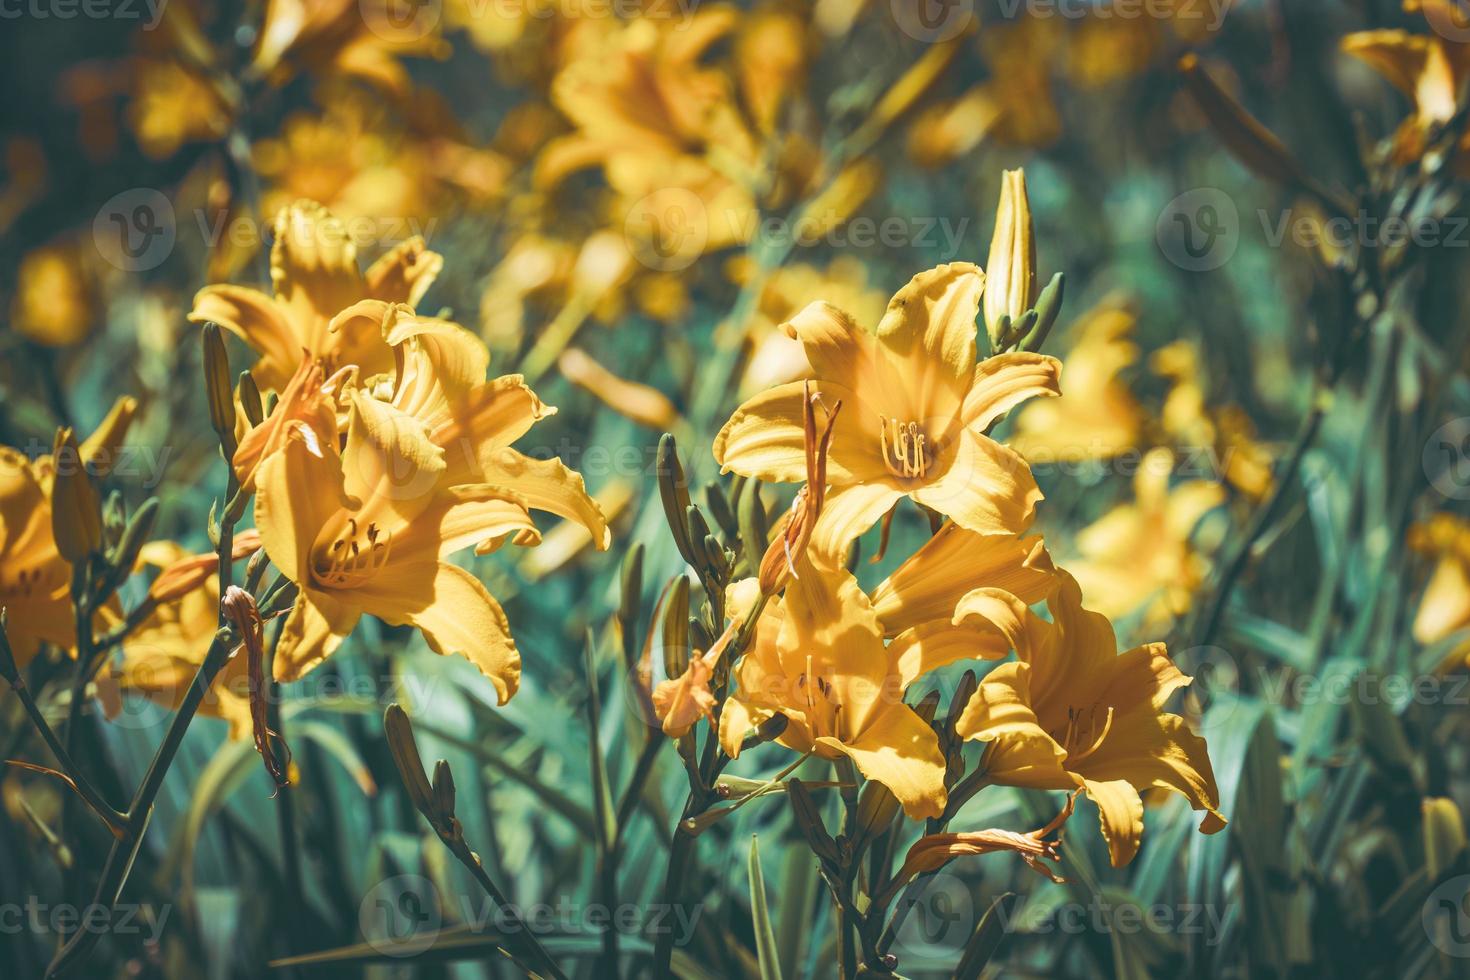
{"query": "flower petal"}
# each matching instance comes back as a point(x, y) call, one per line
point(987, 487)
point(765, 438)
point(849, 511)
point(1120, 811)
point(312, 632)
point(298, 492)
point(901, 751)
point(258, 320)
point(405, 273)
point(838, 349)
point(1006, 380)
point(928, 337)
point(930, 646)
point(549, 485)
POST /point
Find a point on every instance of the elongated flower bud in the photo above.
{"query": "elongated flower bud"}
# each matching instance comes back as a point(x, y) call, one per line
point(218, 387)
point(76, 510)
point(1010, 276)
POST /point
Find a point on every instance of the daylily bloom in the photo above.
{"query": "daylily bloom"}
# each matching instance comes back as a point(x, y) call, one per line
point(1140, 554)
point(35, 580)
point(362, 39)
point(307, 401)
point(818, 658)
point(315, 277)
point(426, 471)
point(55, 298)
point(1098, 417)
point(1073, 712)
point(916, 409)
point(1189, 421)
point(1444, 608)
point(681, 701)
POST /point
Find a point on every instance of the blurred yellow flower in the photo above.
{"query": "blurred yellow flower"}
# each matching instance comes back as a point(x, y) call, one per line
point(55, 300)
point(916, 410)
point(356, 38)
point(1073, 712)
point(173, 106)
point(35, 580)
point(1444, 608)
point(1226, 433)
point(315, 277)
point(1140, 554)
point(1097, 417)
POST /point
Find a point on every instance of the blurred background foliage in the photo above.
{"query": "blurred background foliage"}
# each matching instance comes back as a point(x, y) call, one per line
point(1308, 383)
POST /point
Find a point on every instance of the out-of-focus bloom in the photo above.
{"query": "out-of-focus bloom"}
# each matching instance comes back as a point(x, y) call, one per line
point(770, 62)
point(172, 106)
point(356, 38)
point(642, 403)
point(55, 301)
point(1010, 285)
point(949, 130)
point(931, 582)
point(1020, 55)
point(681, 701)
point(776, 358)
point(315, 277)
point(1226, 433)
point(1073, 712)
point(1098, 416)
point(916, 407)
point(818, 658)
point(1430, 68)
point(1444, 609)
point(35, 580)
point(162, 654)
point(1140, 554)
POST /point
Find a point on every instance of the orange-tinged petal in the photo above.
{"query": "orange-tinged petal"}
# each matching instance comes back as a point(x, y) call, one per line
point(313, 268)
point(766, 437)
point(549, 485)
point(1006, 380)
point(837, 348)
point(405, 273)
point(389, 464)
point(491, 416)
point(986, 487)
point(1445, 606)
point(298, 493)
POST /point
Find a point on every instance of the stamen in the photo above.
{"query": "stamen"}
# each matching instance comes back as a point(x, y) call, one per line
point(905, 447)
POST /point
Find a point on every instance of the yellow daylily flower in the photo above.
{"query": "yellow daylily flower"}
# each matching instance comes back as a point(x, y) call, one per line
point(307, 401)
point(35, 580)
point(819, 659)
point(315, 277)
point(55, 300)
point(356, 38)
point(1098, 417)
point(917, 407)
point(1227, 432)
point(930, 583)
point(1444, 608)
point(1140, 554)
point(1073, 712)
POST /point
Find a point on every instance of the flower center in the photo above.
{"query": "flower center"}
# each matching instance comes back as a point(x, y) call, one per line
point(907, 451)
point(354, 558)
point(1084, 731)
point(23, 585)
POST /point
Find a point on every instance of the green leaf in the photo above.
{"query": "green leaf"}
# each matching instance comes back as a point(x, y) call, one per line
point(765, 936)
point(989, 933)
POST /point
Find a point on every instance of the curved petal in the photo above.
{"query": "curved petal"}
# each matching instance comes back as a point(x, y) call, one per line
point(930, 646)
point(929, 584)
point(928, 339)
point(549, 485)
point(987, 487)
point(493, 415)
point(1011, 617)
point(299, 491)
point(848, 512)
point(313, 269)
point(765, 438)
point(1120, 811)
point(454, 612)
point(1019, 752)
point(460, 517)
point(258, 320)
point(1006, 380)
point(405, 273)
point(901, 751)
point(312, 632)
point(838, 349)
point(389, 464)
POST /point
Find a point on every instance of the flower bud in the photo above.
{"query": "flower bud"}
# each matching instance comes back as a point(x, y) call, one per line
point(673, 489)
point(76, 511)
point(218, 388)
point(1010, 284)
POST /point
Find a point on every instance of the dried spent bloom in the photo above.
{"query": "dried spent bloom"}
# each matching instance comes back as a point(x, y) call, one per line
point(681, 701)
